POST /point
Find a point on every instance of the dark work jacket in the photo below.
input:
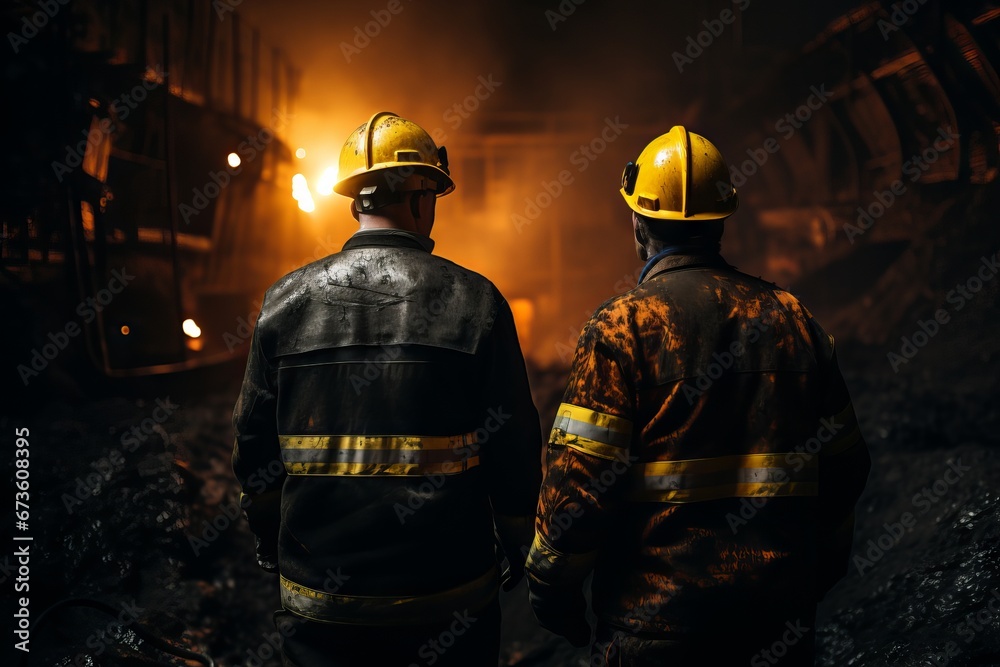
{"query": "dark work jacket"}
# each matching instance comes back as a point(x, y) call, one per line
point(386, 394)
point(705, 461)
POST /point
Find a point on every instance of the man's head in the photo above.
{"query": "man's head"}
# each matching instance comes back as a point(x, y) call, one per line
point(393, 172)
point(679, 192)
point(652, 235)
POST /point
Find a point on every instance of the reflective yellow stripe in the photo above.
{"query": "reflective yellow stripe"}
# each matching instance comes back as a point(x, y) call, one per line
point(399, 469)
point(591, 432)
point(553, 567)
point(378, 454)
point(388, 610)
point(780, 460)
point(737, 476)
point(377, 441)
point(738, 490)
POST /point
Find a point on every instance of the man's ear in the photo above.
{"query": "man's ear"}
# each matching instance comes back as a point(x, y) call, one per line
point(354, 211)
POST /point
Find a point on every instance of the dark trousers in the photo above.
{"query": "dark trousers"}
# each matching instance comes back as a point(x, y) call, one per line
point(466, 640)
point(778, 644)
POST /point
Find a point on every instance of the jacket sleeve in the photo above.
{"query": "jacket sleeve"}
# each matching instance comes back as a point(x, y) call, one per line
point(512, 457)
point(586, 461)
point(257, 454)
point(844, 464)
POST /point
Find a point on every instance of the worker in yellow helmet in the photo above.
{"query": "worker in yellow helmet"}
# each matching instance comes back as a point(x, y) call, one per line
point(705, 461)
point(390, 385)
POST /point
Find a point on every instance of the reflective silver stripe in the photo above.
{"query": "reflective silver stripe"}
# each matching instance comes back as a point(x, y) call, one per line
point(591, 432)
point(326, 607)
point(746, 475)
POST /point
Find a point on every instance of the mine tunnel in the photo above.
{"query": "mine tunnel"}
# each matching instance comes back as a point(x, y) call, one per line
point(166, 162)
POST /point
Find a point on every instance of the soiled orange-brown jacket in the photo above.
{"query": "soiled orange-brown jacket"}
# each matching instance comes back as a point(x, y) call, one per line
point(706, 458)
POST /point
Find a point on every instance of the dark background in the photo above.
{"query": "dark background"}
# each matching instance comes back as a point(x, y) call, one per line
point(149, 525)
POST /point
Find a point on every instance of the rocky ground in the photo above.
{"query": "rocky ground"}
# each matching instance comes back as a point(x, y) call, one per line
point(148, 528)
point(133, 504)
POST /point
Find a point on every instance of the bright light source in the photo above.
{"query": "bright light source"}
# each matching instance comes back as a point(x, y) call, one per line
point(125, 330)
point(326, 181)
point(299, 185)
point(300, 153)
point(190, 328)
point(233, 159)
point(301, 193)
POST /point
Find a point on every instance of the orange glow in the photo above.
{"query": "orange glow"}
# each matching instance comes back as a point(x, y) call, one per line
point(523, 311)
point(125, 330)
point(233, 159)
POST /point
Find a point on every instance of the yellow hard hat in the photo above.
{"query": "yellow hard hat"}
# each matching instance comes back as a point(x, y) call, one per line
point(393, 151)
point(680, 175)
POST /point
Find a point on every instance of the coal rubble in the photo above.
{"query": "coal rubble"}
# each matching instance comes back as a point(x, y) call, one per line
point(141, 514)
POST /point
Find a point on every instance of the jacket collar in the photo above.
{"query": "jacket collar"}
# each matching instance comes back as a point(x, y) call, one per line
point(675, 261)
point(394, 238)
